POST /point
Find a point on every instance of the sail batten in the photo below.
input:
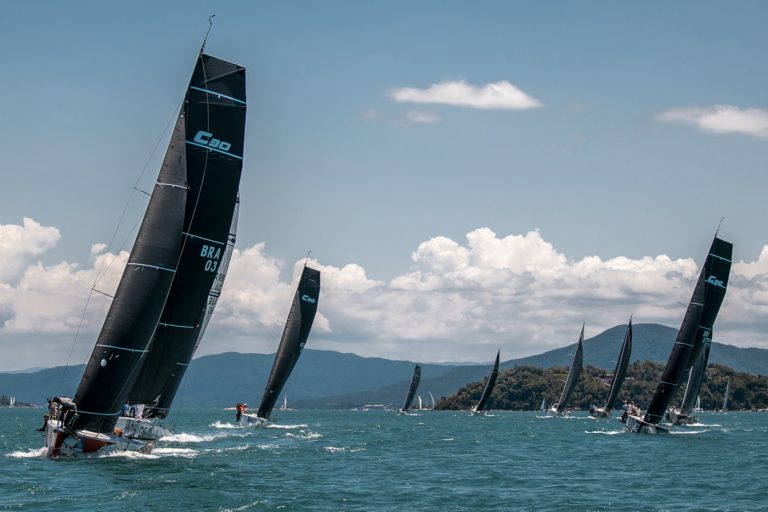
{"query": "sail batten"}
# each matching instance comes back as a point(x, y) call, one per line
point(295, 335)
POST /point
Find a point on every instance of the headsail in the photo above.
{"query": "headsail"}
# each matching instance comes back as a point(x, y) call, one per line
point(412, 389)
point(295, 335)
point(214, 114)
point(141, 295)
point(621, 368)
point(573, 374)
point(695, 379)
point(489, 385)
point(697, 326)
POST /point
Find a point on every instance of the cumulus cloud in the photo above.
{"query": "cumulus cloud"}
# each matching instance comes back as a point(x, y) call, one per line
point(458, 301)
point(493, 96)
point(422, 117)
point(20, 244)
point(721, 119)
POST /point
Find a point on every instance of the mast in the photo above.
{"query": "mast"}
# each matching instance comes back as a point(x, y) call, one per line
point(697, 326)
point(295, 335)
point(140, 297)
point(214, 112)
point(573, 374)
point(489, 385)
point(621, 368)
point(412, 389)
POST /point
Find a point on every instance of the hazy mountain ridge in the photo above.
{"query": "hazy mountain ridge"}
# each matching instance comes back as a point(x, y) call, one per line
point(341, 380)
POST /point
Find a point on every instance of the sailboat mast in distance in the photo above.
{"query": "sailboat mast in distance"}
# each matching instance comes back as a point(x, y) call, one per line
point(573, 374)
point(295, 335)
point(412, 389)
point(489, 385)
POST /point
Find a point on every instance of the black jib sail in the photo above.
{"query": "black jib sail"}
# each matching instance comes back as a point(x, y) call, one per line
point(573, 374)
point(697, 325)
point(140, 297)
point(214, 111)
point(695, 379)
point(295, 334)
point(621, 368)
point(489, 385)
point(412, 389)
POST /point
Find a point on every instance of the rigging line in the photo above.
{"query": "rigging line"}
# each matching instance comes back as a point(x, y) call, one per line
point(718, 226)
point(210, 24)
point(74, 341)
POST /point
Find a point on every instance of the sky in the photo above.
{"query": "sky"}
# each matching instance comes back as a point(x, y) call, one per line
point(466, 176)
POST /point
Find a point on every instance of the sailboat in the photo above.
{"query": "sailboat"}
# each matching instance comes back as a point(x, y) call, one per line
point(693, 336)
point(725, 395)
point(683, 415)
point(174, 260)
point(618, 375)
point(411, 390)
point(479, 408)
point(284, 407)
point(295, 335)
point(431, 401)
point(573, 377)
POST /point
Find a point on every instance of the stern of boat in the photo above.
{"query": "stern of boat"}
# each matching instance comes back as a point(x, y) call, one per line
point(140, 429)
point(251, 420)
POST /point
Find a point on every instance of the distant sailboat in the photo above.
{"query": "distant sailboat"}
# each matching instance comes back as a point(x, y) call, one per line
point(697, 326)
point(432, 401)
point(618, 375)
point(295, 335)
point(411, 390)
point(543, 406)
point(725, 395)
point(284, 407)
point(12, 402)
point(481, 405)
point(573, 377)
point(421, 405)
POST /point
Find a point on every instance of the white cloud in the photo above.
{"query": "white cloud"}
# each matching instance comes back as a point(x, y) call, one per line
point(458, 301)
point(21, 244)
point(493, 96)
point(721, 119)
point(422, 117)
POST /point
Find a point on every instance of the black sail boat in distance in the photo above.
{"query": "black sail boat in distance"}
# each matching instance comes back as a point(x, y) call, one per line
point(86, 423)
point(213, 121)
point(481, 405)
point(573, 377)
point(695, 329)
point(411, 390)
point(295, 335)
point(618, 375)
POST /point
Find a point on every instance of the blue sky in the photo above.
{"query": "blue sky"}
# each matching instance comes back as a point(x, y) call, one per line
point(650, 125)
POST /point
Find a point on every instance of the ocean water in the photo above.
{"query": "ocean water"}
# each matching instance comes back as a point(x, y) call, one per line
point(376, 460)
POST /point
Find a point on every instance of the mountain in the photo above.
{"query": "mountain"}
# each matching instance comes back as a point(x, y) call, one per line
point(333, 379)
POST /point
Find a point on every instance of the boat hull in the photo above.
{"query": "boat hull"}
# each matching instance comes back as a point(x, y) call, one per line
point(140, 428)
point(639, 426)
point(677, 417)
point(251, 420)
point(599, 412)
point(61, 442)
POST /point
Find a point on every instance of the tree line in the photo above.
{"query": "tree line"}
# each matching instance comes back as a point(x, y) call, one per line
point(522, 388)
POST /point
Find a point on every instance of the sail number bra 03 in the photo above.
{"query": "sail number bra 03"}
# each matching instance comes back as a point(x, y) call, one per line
point(212, 256)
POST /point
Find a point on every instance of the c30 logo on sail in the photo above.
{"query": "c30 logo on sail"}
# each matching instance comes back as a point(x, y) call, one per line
point(207, 139)
point(307, 298)
point(715, 281)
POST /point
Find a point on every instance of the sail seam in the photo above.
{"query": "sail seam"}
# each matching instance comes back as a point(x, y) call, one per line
point(174, 185)
point(720, 257)
point(121, 348)
point(217, 94)
point(203, 238)
point(176, 325)
point(153, 266)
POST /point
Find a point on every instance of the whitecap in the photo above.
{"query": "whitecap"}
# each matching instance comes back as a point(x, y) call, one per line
point(29, 454)
point(219, 424)
point(188, 438)
point(128, 455)
point(687, 433)
point(175, 452)
point(604, 432)
point(304, 435)
point(335, 449)
point(286, 427)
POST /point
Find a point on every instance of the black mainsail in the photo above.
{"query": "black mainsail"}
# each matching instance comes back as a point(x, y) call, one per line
point(214, 113)
point(140, 297)
point(295, 334)
point(573, 374)
point(412, 389)
point(489, 385)
point(621, 368)
point(697, 326)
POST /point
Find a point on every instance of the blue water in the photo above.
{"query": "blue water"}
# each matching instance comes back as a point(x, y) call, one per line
point(376, 460)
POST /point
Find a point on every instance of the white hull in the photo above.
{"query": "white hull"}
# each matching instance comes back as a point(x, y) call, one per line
point(61, 443)
point(140, 428)
point(677, 417)
point(638, 425)
point(599, 412)
point(251, 420)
